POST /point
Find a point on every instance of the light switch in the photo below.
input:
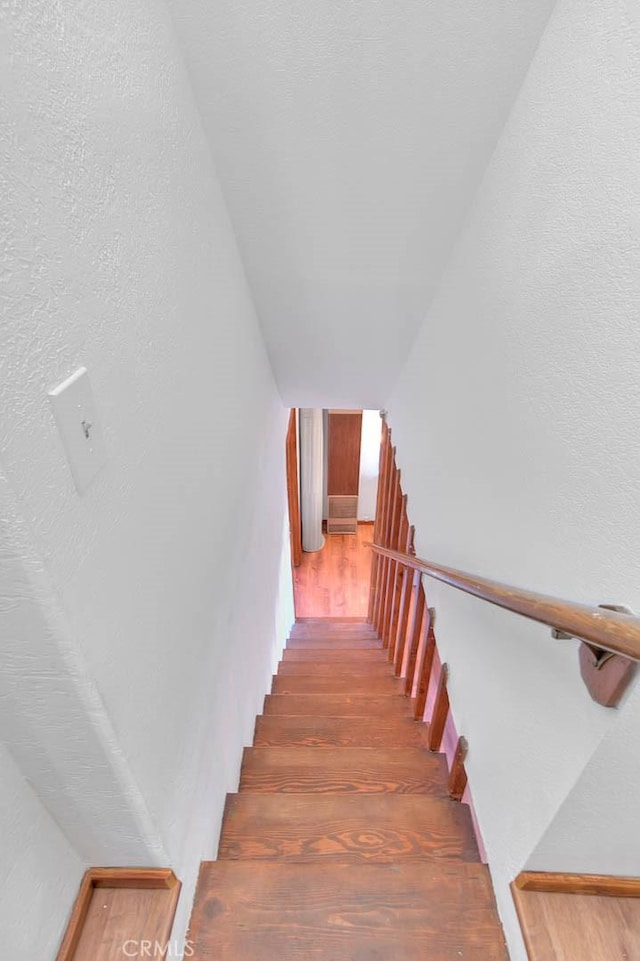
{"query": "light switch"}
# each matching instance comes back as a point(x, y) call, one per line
point(75, 413)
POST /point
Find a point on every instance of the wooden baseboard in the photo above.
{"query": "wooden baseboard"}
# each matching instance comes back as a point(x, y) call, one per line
point(601, 885)
point(135, 878)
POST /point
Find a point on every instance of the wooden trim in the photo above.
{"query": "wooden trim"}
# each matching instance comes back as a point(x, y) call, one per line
point(606, 629)
point(393, 525)
point(458, 775)
point(600, 885)
point(386, 531)
point(424, 666)
point(403, 538)
point(438, 720)
point(76, 921)
point(114, 878)
point(415, 633)
point(133, 878)
point(379, 529)
point(405, 604)
point(293, 489)
point(399, 508)
point(523, 920)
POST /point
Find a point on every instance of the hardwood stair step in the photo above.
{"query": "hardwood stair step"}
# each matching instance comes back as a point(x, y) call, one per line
point(370, 732)
point(332, 667)
point(338, 705)
point(332, 620)
point(343, 770)
point(334, 643)
point(370, 827)
point(337, 684)
point(320, 637)
point(330, 635)
point(275, 911)
point(328, 656)
point(332, 626)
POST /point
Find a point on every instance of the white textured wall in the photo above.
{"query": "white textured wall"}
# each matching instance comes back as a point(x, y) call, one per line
point(596, 828)
point(39, 871)
point(152, 601)
point(517, 420)
point(369, 463)
point(350, 139)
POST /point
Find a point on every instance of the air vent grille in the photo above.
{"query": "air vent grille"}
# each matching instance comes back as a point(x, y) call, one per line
point(343, 514)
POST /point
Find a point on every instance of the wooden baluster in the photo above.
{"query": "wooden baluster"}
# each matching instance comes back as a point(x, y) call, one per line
point(391, 571)
point(458, 774)
point(405, 605)
point(388, 485)
point(375, 560)
point(384, 533)
point(391, 500)
point(398, 572)
point(415, 628)
point(440, 712)
point(424, 666)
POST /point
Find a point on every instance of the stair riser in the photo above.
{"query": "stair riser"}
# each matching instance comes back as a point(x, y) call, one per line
point(337, 705)
point(333, 644)
point(348, 669)
point(362, 656)
point(326, 684)
point(320, 632)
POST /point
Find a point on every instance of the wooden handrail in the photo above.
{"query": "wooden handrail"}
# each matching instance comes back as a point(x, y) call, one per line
point(619, 633)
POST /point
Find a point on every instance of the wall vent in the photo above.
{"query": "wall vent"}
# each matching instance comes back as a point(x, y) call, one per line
point(343, 514)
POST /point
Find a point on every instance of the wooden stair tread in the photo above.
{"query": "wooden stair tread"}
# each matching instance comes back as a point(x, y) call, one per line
point(330, 635)
point(361, 656)
point(333, 667)
point(378, 827)
point(343, 770)
point(334, 627)
point(334, 643)
point(337, 684)
point(333, 620)
point(338, 705)
point(275, 911)
point(374, 732)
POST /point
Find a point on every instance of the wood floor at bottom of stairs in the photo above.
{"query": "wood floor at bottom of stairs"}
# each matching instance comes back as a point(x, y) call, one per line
point(270, 911)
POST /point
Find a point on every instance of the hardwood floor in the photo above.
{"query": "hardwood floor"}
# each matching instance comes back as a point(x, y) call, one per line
point(118, 910)
point(334, 582)
point(577, 927)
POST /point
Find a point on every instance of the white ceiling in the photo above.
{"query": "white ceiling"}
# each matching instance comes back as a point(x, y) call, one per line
point(350, 136)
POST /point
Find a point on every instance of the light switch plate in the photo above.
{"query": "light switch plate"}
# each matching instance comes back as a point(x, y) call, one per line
point(75, 414)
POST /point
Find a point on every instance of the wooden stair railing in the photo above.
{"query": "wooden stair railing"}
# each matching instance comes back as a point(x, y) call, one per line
point(610, 639)
point(604, 628)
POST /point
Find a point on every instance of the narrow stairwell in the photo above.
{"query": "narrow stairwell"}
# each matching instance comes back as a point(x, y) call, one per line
point(342, 843)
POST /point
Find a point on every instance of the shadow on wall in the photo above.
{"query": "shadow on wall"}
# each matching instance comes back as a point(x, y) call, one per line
point(369, 455)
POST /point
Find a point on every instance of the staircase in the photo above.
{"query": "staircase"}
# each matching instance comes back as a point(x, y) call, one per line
point(342, 843)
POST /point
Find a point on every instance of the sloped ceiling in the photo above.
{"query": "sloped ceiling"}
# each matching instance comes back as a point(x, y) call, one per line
point(349, 137)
